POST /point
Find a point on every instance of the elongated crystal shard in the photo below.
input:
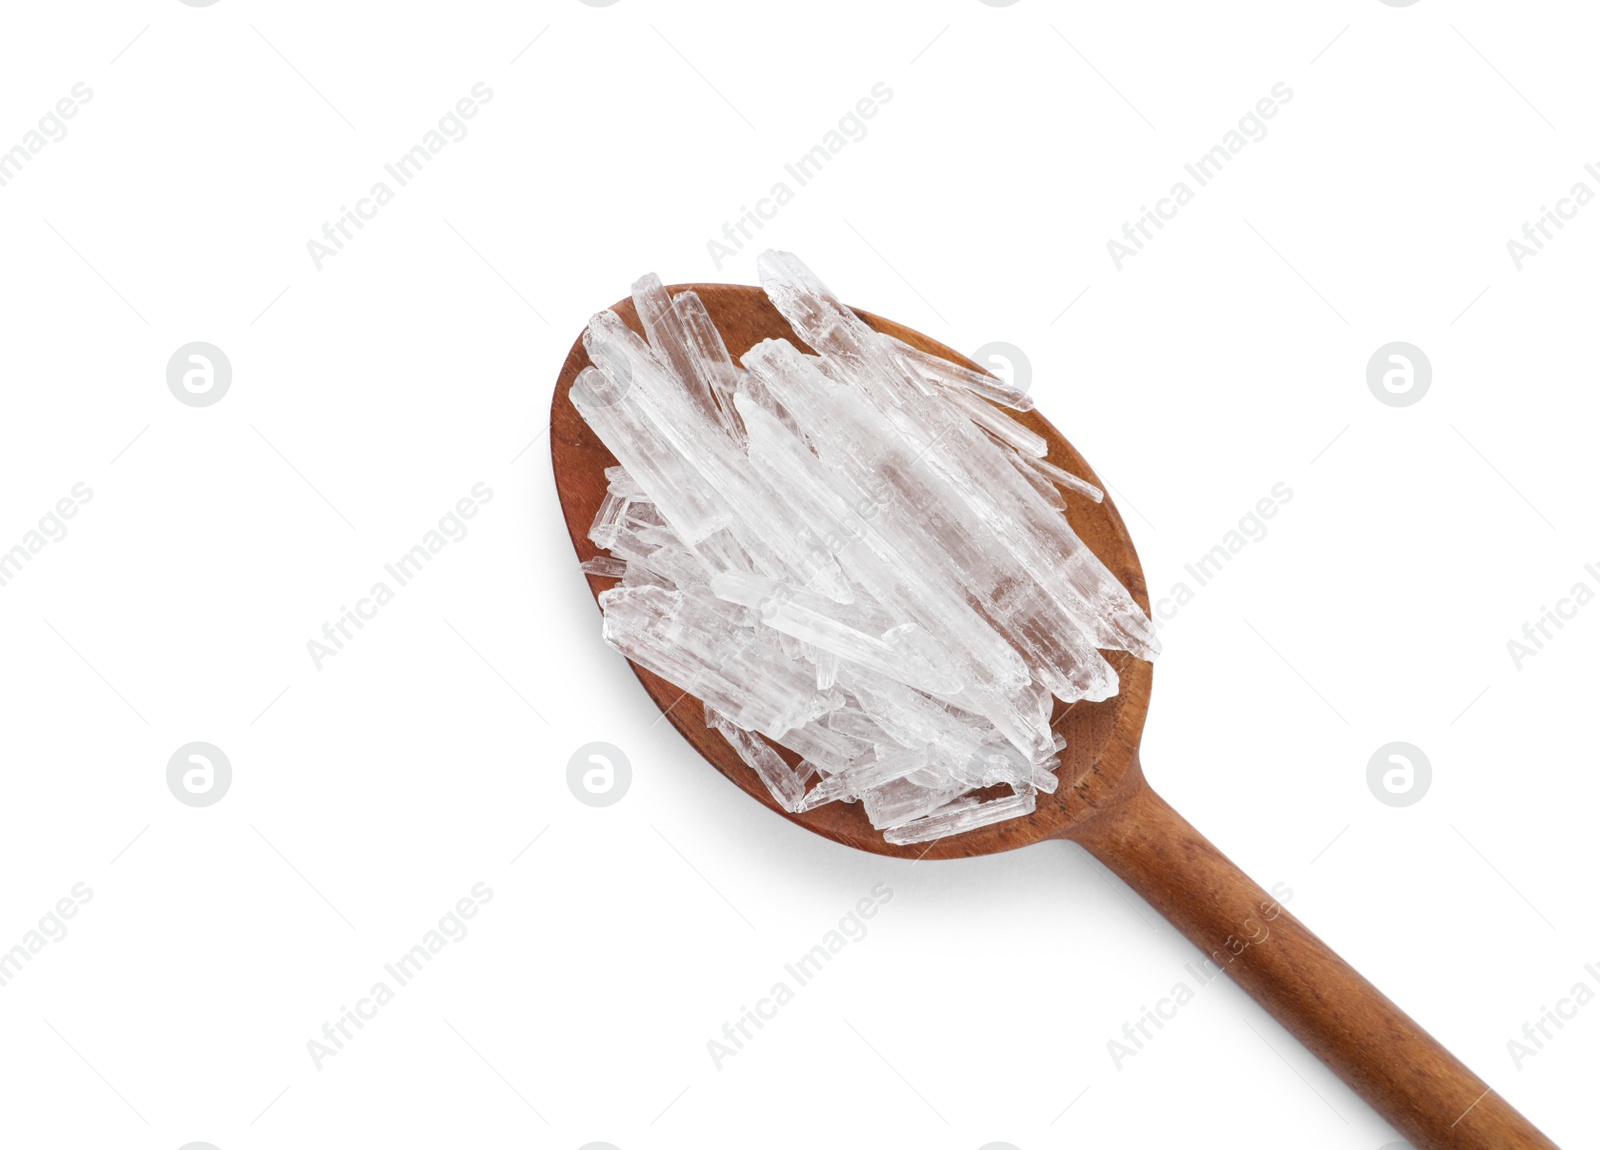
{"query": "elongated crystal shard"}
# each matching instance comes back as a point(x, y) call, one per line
point(787, 784)
point(954, 374)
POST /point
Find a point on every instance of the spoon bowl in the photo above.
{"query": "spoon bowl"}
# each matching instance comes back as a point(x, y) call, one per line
point(1102, 737)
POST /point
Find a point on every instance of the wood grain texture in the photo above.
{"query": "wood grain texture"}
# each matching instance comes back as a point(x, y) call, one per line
point(1106, 805)
point(1379, 1051)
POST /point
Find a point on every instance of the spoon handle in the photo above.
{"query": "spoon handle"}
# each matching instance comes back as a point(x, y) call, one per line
point(1422, 1089)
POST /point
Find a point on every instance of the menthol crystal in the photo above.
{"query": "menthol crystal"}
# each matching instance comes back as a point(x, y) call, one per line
point(851, 551)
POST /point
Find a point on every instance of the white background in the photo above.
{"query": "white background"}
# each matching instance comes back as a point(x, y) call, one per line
point(370, 395)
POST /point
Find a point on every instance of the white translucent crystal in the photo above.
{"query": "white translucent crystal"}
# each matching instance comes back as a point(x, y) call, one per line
point(787, 784)
point(849, 551)
point(961, 815)
point(1062, 476)
point(941, 370)
point(605, 565)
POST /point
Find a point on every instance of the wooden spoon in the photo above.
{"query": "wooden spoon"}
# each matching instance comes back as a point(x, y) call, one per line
point(1104, 804)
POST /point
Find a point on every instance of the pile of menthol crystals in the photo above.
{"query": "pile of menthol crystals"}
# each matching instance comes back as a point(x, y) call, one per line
point(856, 554)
